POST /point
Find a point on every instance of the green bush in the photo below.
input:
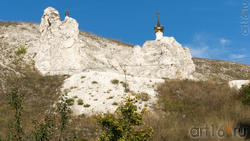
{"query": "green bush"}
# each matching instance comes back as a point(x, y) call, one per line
point(70, 101)
point(125, 124)
point(245, 94)
point(21, 50)
point(45, 129)
point(142, 96)
point(65, 114)
point(80, 102)
point(115, 81)
point(86, 105)
point(94, 82)
point(110, 97)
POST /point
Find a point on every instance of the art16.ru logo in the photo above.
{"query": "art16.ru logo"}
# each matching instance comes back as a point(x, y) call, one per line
point(219, 132)
point(244, 18)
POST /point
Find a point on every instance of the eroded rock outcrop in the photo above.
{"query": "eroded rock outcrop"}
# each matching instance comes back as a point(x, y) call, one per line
point(237, 84)
point(167, 58)
point(59, 51)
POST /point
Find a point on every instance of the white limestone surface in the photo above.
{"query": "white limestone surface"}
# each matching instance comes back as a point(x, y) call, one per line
point(238, 83)
point(59, 51)
point(99, 94)
point(62, 52)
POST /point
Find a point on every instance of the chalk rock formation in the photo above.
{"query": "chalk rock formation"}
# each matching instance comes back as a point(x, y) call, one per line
point(59, 50)
point(102, 91)
point(238, 83)
point(62, 52)
point(164, 58)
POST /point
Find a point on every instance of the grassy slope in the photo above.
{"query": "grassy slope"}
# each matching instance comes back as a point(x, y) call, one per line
point(217, 69)
point(40, 93)
point(185, 104)
point(182, 104)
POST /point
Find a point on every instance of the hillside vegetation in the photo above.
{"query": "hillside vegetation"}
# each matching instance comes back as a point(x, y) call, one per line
point(182, 104)
point(221, 70)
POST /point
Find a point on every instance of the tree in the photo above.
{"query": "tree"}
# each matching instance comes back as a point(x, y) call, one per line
point(245, 94)
point(64, 111)
point(125, 124)
point(45, 129)
point(16, 102)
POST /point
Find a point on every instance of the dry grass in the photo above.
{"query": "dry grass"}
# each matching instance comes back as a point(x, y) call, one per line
point(40, 93)
point(185, 104)
point(9, 23)
point(86, 127)
point(182, 105)
point(35, 106)
point(221, 70)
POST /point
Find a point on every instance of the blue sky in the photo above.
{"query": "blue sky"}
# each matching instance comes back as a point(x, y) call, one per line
point(211, 28)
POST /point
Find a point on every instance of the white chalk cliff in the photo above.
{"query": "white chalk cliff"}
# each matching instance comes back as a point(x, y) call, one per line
point(62, 52)
point(59, 50)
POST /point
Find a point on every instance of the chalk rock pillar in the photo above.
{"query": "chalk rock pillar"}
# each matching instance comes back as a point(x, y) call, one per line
point(59, 51)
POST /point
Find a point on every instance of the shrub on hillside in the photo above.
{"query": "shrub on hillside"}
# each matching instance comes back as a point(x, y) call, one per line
point(16, 102)
point(142, 96)
point(80, 102)
point(70, 101)
point(245, 94)
point(44, 130)
point(86, 105)
point(115, 81)
point(125, 124)
point(21, 50)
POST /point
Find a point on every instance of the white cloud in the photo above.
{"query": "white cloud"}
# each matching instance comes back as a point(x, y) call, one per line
point(237, 56)
point(207, 46)
point(201, 52)
point(224, 42)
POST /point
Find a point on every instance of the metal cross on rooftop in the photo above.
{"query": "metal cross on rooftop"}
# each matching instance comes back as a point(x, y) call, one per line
point(157, 13)
point(67, 12)
point(158, 20)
